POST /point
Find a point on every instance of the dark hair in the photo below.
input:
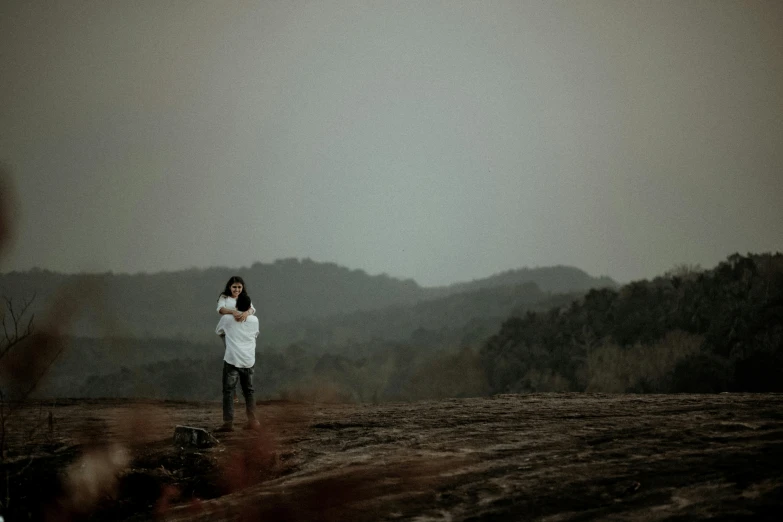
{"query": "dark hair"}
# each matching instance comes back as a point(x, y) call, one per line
point(227, 290)
point(243, 302)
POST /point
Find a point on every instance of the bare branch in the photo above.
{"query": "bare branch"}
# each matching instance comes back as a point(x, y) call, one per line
point(15, 330)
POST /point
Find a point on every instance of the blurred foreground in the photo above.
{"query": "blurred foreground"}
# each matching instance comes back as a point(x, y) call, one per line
point(508, 457)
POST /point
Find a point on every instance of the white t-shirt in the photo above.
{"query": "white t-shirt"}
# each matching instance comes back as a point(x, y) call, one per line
point(240, 340)
point(230, 303)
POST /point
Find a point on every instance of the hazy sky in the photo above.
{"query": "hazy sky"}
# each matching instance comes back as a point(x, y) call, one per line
point(438, 140)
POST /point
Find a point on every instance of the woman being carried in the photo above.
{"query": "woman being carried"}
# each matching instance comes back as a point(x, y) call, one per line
point(227, 301)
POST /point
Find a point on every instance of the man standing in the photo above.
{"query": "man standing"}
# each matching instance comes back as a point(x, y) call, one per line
point(239, 338)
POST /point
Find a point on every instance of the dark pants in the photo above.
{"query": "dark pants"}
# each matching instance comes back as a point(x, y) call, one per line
point(232, 374)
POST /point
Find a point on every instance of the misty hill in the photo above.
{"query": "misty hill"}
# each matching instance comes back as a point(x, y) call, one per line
point(555, 279)
point(689, 330)
point(181, 304)
point(84, 357)
point(463, 318)
point(117, 366)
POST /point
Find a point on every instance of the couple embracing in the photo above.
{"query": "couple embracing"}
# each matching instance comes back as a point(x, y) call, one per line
point(238, 327)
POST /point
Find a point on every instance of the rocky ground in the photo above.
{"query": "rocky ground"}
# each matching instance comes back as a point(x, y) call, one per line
point(509, 457)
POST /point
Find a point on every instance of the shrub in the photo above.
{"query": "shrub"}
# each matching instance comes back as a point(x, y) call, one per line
point(640, 368)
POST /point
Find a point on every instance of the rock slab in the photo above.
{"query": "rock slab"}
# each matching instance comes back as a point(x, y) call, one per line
point(190, 436)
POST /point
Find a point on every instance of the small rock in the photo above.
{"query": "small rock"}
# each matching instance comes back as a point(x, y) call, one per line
point(632, 488)
point(189, 436)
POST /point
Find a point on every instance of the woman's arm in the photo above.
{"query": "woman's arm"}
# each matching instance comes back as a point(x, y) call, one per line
point(223, 310)
point(236, 313)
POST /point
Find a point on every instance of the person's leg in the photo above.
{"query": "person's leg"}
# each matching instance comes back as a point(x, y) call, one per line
point(230, 377)
point(223, 338)
point(246, 381)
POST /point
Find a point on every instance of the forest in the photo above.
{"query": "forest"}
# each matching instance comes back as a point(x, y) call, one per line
point(690, 330)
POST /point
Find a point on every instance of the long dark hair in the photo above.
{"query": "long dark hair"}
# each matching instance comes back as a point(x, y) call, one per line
point(243, 302)
point(227, 290)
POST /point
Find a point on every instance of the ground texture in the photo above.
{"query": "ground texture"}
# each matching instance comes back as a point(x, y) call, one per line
point(507, 457)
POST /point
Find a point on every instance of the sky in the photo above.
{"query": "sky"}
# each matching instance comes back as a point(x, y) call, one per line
point(442, 141)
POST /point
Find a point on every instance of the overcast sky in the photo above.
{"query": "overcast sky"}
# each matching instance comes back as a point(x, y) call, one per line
point(438, 140)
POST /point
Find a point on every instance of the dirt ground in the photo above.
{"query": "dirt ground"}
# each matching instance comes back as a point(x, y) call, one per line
point(510, 457)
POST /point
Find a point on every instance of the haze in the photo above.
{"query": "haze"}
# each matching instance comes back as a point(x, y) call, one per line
point(442, 141)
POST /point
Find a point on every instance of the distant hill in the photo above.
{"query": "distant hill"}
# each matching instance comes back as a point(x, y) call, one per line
point(181, 304)
point(84, 357)
point(392, 342)
point(555, 279)
point(454, 319)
